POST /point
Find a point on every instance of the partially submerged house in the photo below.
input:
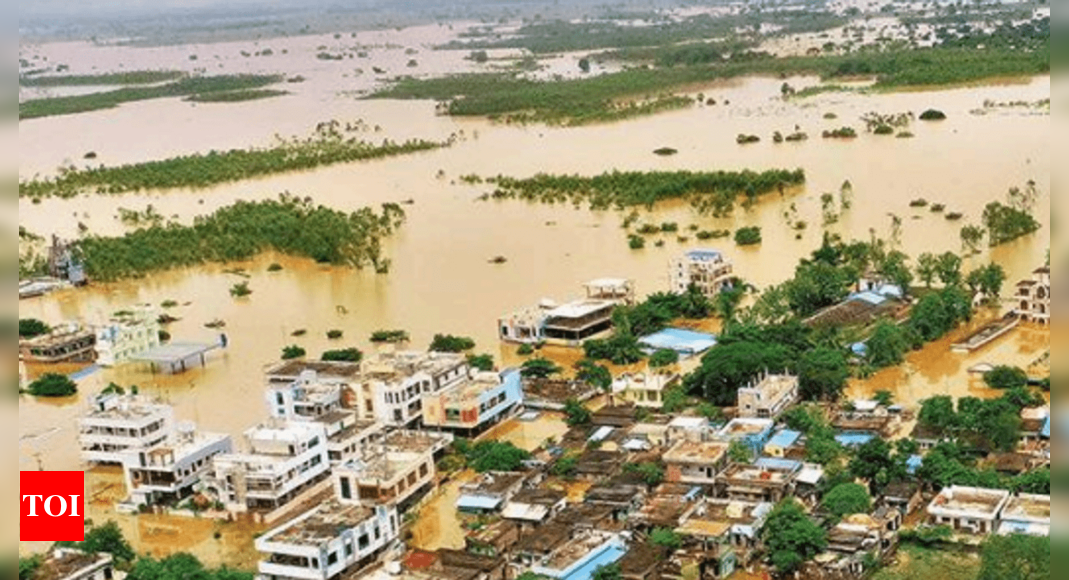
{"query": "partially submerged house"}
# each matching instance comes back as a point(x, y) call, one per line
point(645, 389)
point(1033, 297)
point(768, 480)
point(172, 470)
point(768, 397)
point(474, 405)
point(67, 343)
point(118, 423)
point(572, 322)
point(399, 469)
point(705, 269)
point(127, 335)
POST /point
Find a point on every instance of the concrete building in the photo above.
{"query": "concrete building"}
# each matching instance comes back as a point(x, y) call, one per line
point(119, 423)
point(1026, 514)
point(754, 433)
point(170, 471)
point(782, 442)
point(281, 460)
point(1033, 297)
point(399, 469)
point(706, 269)
point(66, 343)
point(769, 397)
point(344, 375)
point(127, 335)
point(571, 322)
point(69, 564)
point(643, 389)
point(332, 541)
point(580, 556)
point(969, 510)
point(396, 382)
point(490, 492)
point(731, 522)
point(474, 405)
point(306, 398)
point(768, 480)
point(695, 462)
point(530, 508)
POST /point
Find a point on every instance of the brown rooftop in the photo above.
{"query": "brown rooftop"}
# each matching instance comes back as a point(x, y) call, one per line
point(1028, 506)
point(337, 370)
point(641, 559)
point(59, 567)
point(697, 452)
point(324, 524)
point(544, 497)
point(545, 539)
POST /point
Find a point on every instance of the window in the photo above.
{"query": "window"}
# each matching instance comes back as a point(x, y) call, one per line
point(348, 548)
point(364, 542)
point(346, 490)
point(279, 399)
point(332, 559)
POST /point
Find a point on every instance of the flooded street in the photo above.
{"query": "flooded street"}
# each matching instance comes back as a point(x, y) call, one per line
point(441, 280)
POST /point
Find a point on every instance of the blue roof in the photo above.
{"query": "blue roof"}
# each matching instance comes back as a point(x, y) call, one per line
point(778, 464)
point(870, 297)
point(611, 555)
point(854, 438)
point(860, 349)
point(913, 464)
point(477, 502)
point(785, 438)
point(677, 339)
point(1045, 433)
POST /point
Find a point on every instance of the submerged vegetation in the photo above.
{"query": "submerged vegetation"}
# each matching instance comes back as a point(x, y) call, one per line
point(288, 225)
point(714, 191)
point(143, 77)
point(183, 87)
point(236, 96)
point(329, 145)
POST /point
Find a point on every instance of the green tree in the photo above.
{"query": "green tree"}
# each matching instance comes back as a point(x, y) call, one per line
point(739, 452)
point(566, 466)
point(450, 343)
point(1006, 223)
point(608, 572)
point(728, 367)
point(948, 269)
point(584, 65)
point(791, 537)
point(28, 567)
point(822, 373)
point(31, 327)
point(482, 362)
point(938, 413)
point(875, 463)
point(1005, 377)
point(651, 473)
point(107, 539)
point(748, 236)
point(971, 238)
point(1015, 557)
point(594, 374)
point(52, 385)
point(539, 368)
point(666, 538)
point(576, 413)
point(847, 499)
point(663, 358)
point(487, 456)
point(927, 267)
point(181, 567)
point(887, 346)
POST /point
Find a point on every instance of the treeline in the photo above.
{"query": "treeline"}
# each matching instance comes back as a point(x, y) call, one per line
point(236, 96)
point(708, 191)
point(289, 225)
point(184, 87)
point(141, 77)
point(206, 169)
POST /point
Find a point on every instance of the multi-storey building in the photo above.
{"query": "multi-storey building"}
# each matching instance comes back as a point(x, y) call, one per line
point(332, 541)
point(393, 384)
point(119, 423)
point(283, 458)
point(1033, 297)
point(769, 397)
point(707, 270)
point(473, 405)
point(127, 335)
point(398, 469)
point(169, 472)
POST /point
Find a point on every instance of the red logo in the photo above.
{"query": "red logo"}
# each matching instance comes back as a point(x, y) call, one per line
point(52, 506)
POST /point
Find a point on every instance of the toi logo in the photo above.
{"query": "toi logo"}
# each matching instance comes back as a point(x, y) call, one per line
point(52, 506)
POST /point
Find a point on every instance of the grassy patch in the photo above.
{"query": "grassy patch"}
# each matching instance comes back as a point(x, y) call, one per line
point(917, 563)
point(184, 87)
point(143, 77)
point(236, 96)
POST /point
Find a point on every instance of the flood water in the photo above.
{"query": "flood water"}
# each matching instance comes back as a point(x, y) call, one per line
point(441, 280)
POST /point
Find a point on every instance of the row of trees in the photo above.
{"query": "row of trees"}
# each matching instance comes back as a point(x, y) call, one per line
point(289, 225)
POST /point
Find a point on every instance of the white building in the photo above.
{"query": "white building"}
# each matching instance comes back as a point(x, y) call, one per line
point(769, 397)
point(171, 471)
point(644, 389)
point(118, 423)
point(282, 460)
point(398, 469)
point(571, 322)
point(127, 335)
point(392, 384)
point(331, 541)
point(1033, 297)
point(1026, 514)
point(969, 510)
point(706, 269)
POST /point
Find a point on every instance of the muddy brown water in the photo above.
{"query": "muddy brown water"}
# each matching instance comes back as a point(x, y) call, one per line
point(441, 280)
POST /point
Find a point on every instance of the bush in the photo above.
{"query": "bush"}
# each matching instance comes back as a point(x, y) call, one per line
point(240, 290)
point(334, 334)
point(884, 130)
point(663, 358)
point(748, 236)
point(450, 343)
point(636, 242)
point(276, 267)
point(352, 355)
point(164, 336)
point(482, 362)
point(391, 336)
point(744, 139)
point(1006, 377)
point(53, 385)
point(525, 350)
point(293, 351)
point(31, 327)
point(933, 115)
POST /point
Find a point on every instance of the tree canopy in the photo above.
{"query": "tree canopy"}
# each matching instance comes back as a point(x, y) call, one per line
point(450, 343)
point(539, 368)
point(31, 327)
point(791, 537)
point(181, 567)
point(847, 499)
point(487, 456)
point(1006, 377)
point(52, 385)
point(1015, 557)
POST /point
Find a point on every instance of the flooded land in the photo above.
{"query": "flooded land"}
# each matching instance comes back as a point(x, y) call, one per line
point(463, 257)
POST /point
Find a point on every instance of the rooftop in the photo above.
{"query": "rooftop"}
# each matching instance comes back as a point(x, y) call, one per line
point(469, 390)
point(747, 427)
point(548, 538)
point(696, 452)
point(1028, 507)
point(785, 438)
point(173, 352)
point(683, 341)
point(125, 408)
point(494, 483)
point(580, 308)
point(774, 387)
point(704, 255)
point(761, 475)
point(321, 525)
point(63, 563)
point(395, 365)
point(970, 500)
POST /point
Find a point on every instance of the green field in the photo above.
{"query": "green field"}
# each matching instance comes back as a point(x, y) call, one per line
point(916, 563)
